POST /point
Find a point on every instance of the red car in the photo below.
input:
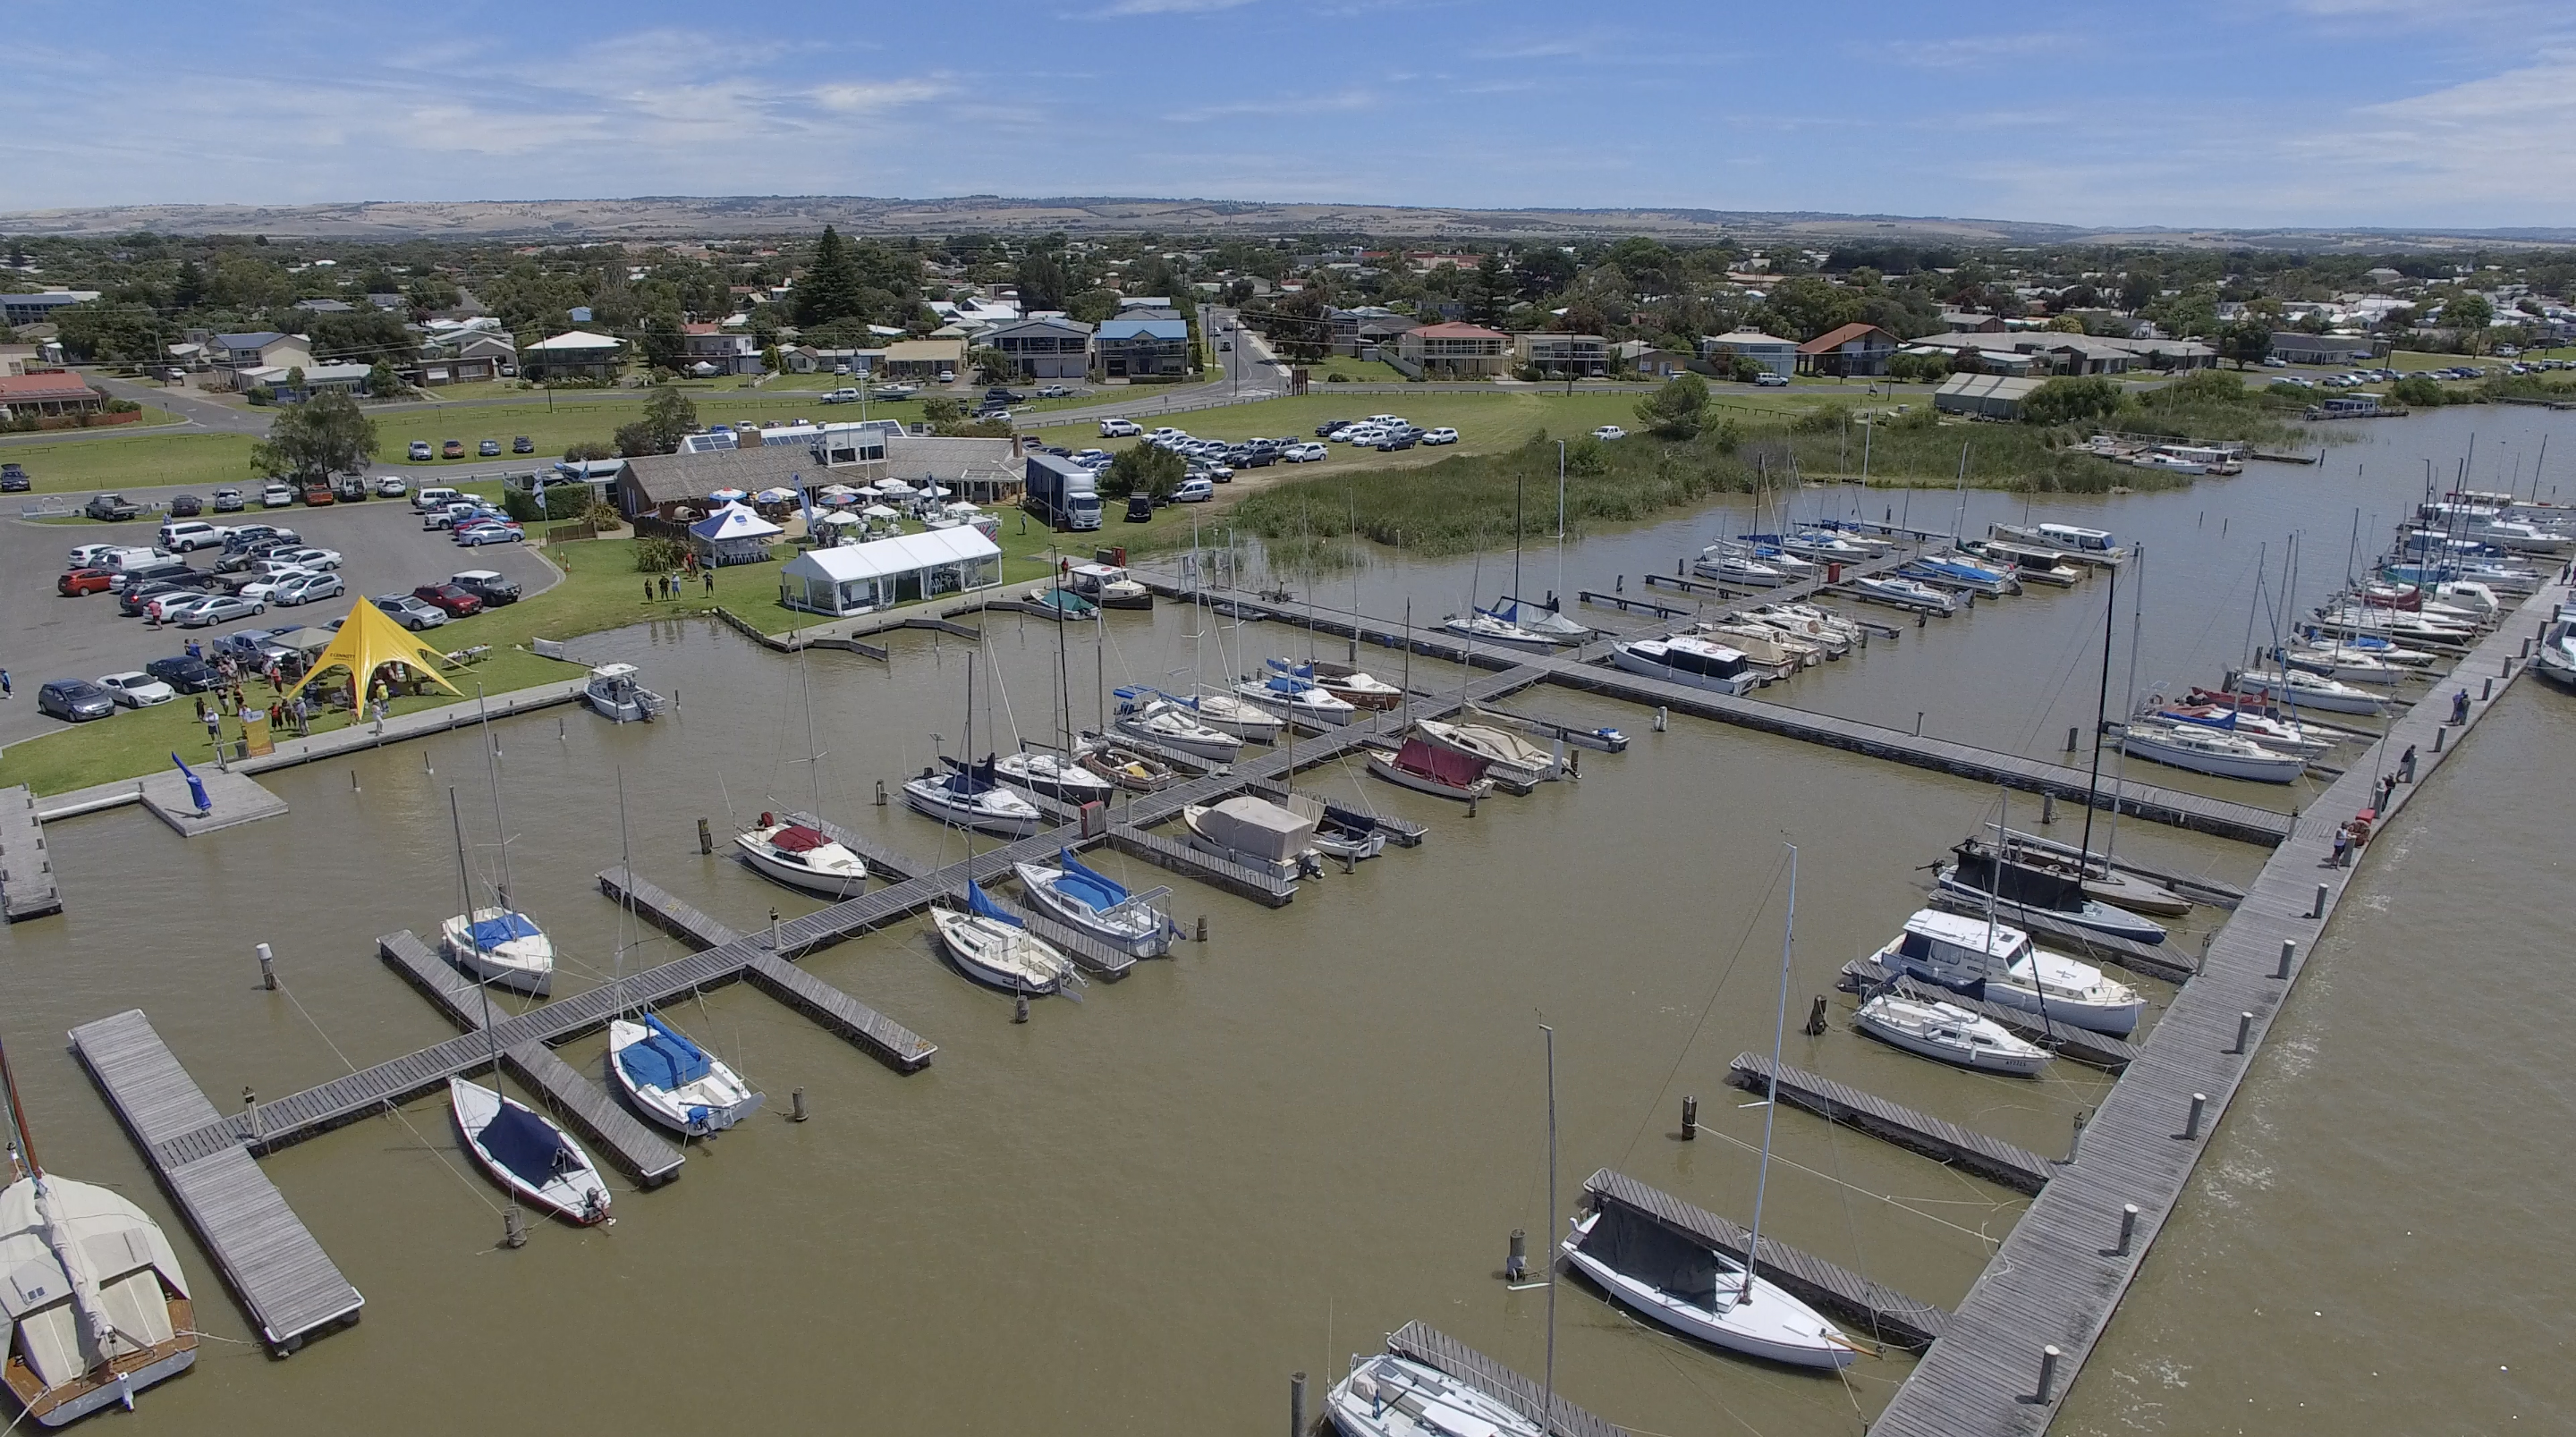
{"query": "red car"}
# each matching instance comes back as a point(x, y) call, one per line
point(83, 581)
point(455, 602)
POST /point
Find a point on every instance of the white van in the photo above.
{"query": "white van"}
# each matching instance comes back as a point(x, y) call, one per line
point(125, 560)
point(434, 497)
point(181, 535)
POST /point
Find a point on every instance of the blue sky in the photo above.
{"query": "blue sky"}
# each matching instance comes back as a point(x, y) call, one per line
point(2453, 113)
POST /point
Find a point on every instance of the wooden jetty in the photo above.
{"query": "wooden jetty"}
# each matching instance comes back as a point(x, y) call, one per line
point(284, 1280)
point(2053, 1284)
point(26, 870)
point(458, 998)
point(1889, 1316)
point(1438, 1350)
point(638, 1151)
point(1991, 1158)
point(1627, 605)
point(2096, 1050)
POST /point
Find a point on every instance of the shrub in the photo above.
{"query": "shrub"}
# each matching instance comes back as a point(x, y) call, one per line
point(262, 395)
point(1678, 409)
point(1337, 377)
point(1144, 468)
point(2071, 399)
point(602, 516)
point(2416, 391)
point(657, 556)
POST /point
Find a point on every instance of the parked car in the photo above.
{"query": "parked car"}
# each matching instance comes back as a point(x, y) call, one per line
point(316, 493)
point(485, 584)
point(74, 700)
point(276, 494)
point(228, 501)
point(449, 599)
point(138, 600)
point(1140, 508)
point(89, 556)
point(1608, 432)
point(1194, 491)
point(451, 449)
point(1325, 429)
point(411, 613)
point(306, 588)
point(311, 558)
point(83, 581)
point(136, 689)
point(392, 486)
point(186, 506)
point(948, 376)
point(1396, 439)
point(187, 675)
point(843, 395)
point(1054, 391)
point(490, 449)
point(220, 609)
point(420, 449)
point(476, 535)
point(435, 496)
point(14, 480)
point(181, 536)
point(112, 509)
point(1442, 435)
point(1305, 453)
point(171, 606)
point(1119, 429)
point(350, 488)
point(275, 567)
point(1004, 394)
point(523, 445)
point(1768, 380)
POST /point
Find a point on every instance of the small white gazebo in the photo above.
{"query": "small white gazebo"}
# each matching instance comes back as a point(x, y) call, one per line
point(732, 535)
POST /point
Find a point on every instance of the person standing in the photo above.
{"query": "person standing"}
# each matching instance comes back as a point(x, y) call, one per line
point(4, 683)
point(710, 576)
point(2342, 844)
point(648, 590)
point(2406, 764)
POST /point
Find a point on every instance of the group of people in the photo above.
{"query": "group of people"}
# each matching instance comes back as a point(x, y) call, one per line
point(668, 586)
point(2353, 834)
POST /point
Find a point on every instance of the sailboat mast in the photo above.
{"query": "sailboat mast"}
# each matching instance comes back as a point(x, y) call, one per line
point(2093, 784)
point(1548, 1409)
point(1560, 520)
point(626, 860)
point(500, 830)
point(465, 886)
point(813, 755)
point(2129, 700)
point(1771, 1103)
point(27, 1144)
point(1519, 484)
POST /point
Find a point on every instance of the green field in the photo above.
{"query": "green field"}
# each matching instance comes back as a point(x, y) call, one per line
point(1486, 422)
point(135, 461)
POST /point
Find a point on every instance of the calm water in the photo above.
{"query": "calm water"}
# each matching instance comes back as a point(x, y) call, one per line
point(1142, 1211)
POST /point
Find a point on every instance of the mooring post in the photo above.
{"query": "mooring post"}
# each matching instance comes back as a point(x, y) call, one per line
point(353, 780)
point(2486, 690)
point(773, 930)
point(561, 733)
point(2075, 1138)
point(2128, 1226)
point(2244, 1032)
point(1918, 723)
point(1690, 1120)
point(2289, 954)
point(1815, 1026)
point(1202, 933)
point(2047, 808)
point(1296, 1404)
point(796, 1106)
point(425, 765)
point(267, 969)
point(2191, 1122)
point(2437, 739)
point(2048, 1372)
point(1516, 1266)
point(1471, 805)
point(1662, 718)
point(1019, 1007)
point(250, 1109)
point(2071, 730)
point(706, 839)
point(881, 793)
point(2318, 908)
point(514, 1228)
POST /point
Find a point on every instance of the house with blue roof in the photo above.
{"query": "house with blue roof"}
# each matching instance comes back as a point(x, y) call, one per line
point(1143, 348)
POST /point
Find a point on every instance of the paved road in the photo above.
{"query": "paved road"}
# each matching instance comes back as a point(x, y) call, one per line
point(51, 637)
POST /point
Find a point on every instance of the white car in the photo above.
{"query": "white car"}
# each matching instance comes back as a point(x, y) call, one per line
point(392, 486)
point(1608, 432)
point(1168, 432)
point(272, 569)
point(276, 496)
point(1194, 491)
point(1364, 435)
point(310, 558)
point(1304, 453)
point(303, 589)
point(1055, 391)
point(1443, 435)
point(174, 608)
point(1386, 421)
point(1119, 429)
point(948, 376)
point(1768, 380)
point(137, 690)
point(89, 556)
point(842, 396)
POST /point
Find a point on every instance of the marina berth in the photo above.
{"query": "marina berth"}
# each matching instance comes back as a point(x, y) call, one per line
point(673, 1081)
point(1700, 1293)
point(2204, 749)
point(1699, 663)
point(1098, 905)
point(1996, 963)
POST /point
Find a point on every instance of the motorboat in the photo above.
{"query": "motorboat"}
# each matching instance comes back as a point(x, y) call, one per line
point(613, 694)
point(2171, 463)
point(1109, 586)
point(2277, 734)
point(1226, 713)
point(528, 1154)
point(2016, 881)
point(991, 946)
point(1948, 1033)
point(1483, 628)
point(1049, 775)
point(1828, 639)
point(1949, 570)
point(1731, 563)
point(802, 856)
point(1124, 767)
point(1093, 903)
point(2084, 546)
point(1904, 593)
point(1543, 619)
point(97, 1306)
point(2203, 749)
point(2554, 658)
point(503, 946)
point(1351, 685)
point(1700, 1292)
point(2298, 688)
point(1054, 601)
point(1764, 646)
point(972, 797)
point(1299, 700)
point(1427, 768)
point(1390, 1396)
point(2097, 877)
point(1157, 719)
point(2030, 563)
point(675, 1082)
point(1699, 663)
point(1996, 963)
point(1503, 751)
point(1254, 833)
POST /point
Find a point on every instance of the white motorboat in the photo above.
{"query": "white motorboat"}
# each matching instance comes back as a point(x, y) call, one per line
point(674, 1081)
point(2085, 546)
point(1484, 628)
point(1765, 646)
point(1428, 768)
point(803, 857)
point(2030, 563)
point(1700, 1292)
point(613, 694)
point(1904, 594)
point(972, 797)
point(1300, 700)
point(1351, 685)
point(1256, 834)
point(1501, 749)
point(990, 946)
point(97, 1307)
point(1948, 1033)
point(1109, 586)
point(2300, 689)
point(526, 1153)
point(502, 945)
point(1996, 963)
point(1099, 905)
point(2555, 658)
point(1699, 663)
point(1227, 713)
point(1729, 563)
point(1159, 721)
point(1389, 1396)
point(1050, 775)
point(1339, 832)
point(2208, 750)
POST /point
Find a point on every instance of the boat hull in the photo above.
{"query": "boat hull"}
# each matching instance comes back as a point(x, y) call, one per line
point(1707, 1325)
point(1385, 767)
point(1141, 933)
point(2252, 768)
point(1646, 666)
point(757, 854)
point(681, 1114)
point(993, 954)
point(2008, 1062)
point(576, 1195)
point(931, 799)
point(2101, 918)
point(1213, 744)
point(521, 965)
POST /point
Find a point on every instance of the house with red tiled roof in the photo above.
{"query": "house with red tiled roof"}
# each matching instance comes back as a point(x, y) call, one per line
point(49, 393)
point(1455, 351)
point(1854, 349)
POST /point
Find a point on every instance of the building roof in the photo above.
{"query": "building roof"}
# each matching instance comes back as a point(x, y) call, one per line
point(2295, 339)
point(322, 306)
point(1836, 338)
point(456, 342)
point(669, 478)
point(254, 339)
point(1117, 329)
point(1750, 339)
point(1055, 322)
point(903, 554)
point(1987, 386)
point(577, 341)
point(733, 521)
point(940, 456)
point(925, 349)
point(42, 388)
point(50, 297)
point(1456, 330)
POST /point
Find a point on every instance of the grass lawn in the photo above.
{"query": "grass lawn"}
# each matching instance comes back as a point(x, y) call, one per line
point(1352, 371)
point(136, 461)
point(1486, 423)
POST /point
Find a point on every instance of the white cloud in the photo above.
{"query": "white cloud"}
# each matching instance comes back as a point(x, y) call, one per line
point(870, 96)
point(1124, 8)
point(1289, 105)
point(1966, 51)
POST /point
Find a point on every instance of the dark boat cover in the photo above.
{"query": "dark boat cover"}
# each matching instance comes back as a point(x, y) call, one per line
point(2018, 883)
point(1652, 1253)
point(797, 838)
point(982, 905)
point(1458, 770)
point(526, 1144)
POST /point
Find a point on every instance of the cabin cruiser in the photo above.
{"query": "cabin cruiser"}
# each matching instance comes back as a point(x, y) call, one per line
point(2203, 749)
point(1996, 963)
point(1700, 663)
point(1110, 587)
point(613, 694)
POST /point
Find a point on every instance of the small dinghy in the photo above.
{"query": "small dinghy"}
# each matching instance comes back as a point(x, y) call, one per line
point(1352, 686)
point(992, 947)
point(526, 1153)
point(675, 1082)
point(1047, 601)
point(1388, 1396)
point(1299, 700)
point(1159, 721)
point(502, 945)
point(1099, 905)
point(802, 857)
point(1701, 1293)
point(972, 797)
point(1427, 768)
point(1947, 1033)
point(1125, 767)
point(1995, 963)
point(613, 694)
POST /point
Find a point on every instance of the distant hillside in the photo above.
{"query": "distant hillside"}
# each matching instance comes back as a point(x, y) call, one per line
point(672, 217)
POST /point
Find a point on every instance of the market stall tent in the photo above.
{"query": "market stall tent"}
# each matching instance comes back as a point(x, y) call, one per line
point(856, 578)
point(367, 642)
point(732, 535)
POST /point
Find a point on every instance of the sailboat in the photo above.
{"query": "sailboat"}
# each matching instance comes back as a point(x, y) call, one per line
point(1298, 699)
point(1485, 628)
point(1389, 1396)
point(1099, 905)
point(1699, 1292)
point(1048, 775)
point(800, 855)
point(498, 943)
point(1426, 768)
point(990, 946)
point(2006, 875)
point(1125, 767)
point(972, 796)
point(1351, 685)
point(1504, 752)
point(98, 1308)
point(674, 1081)
point(1948, 1033)
point(1157, 718)
point(1545, 619)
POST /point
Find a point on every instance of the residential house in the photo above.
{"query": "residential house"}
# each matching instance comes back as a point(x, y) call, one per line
point(1963, 322)
point(1557, 356)
point(1853, 349)
point(807, 359)
point(2299, 348)
point(925, 358)
point(1988, 396)
point(16, 309)
point(1049, 348)
point(709, 349)
point(317, 379)
point(1160, 303)
point(1148, 349)
point(323, 306)
point(20, 359)
point(464, 356)
point(2074, 354)
point(54, 393)
point(388, 301)
point(237, 355)
point(1649, 361)
point(983, 471)
point(1455, 351)
point(1774, 354)
point(575, 354)
point(1368, 326)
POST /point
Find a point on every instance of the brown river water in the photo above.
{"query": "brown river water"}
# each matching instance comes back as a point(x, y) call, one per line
point(1140, 1212)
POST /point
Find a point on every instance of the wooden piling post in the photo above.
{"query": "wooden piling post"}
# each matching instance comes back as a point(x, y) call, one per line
point(1815, 1025)
point(1516, 1266)
point(706, 839)
point(2128, 1227)
point(1690, 1119)
point(514, 1227)
point(2244, 1032)
point(2289, 954)
point(2075, 1138)
point(1297, 1404)
point(267, 968)
point(2048, 1356)
point(796, 1106)
point(2191, 1120)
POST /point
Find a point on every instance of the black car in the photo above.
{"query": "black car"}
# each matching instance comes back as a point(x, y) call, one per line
point(1403, 440)
point(186, 506)
point(13, 478)
point(187, 675)
point(523, 445)
point(1325, 429)
point(1140, 508)
point(1248, 457)
point(131, 599)
point(999, 394)
point(74, 700)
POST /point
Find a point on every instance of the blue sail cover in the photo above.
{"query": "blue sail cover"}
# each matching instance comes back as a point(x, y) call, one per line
point(493, 932)
point(525, 1144)
point(982, 906)
point(974, 778)
point(1098, 890)
point(662, 1058)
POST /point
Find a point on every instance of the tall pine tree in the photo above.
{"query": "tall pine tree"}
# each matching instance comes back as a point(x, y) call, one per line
point(830, 288)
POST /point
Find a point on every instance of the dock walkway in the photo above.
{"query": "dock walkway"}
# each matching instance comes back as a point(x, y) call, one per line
point(1947, 1142)
point(1436, 1349)
point(26, 870)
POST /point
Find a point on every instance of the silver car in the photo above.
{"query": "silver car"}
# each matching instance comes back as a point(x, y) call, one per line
point(221, 609)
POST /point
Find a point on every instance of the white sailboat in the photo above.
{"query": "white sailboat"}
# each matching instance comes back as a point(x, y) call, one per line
point(2202, 749)
point(674, 1081)
point(1484, 628)
point(528, 1154)
point(992, 947)
point(1158, 720)
point(1300, 700)
point(1099, 905)
point(973, 797)
point(1905, 594)
point(497, 943)
point(1390, 1396)
point(1948, 1033)
point(1503, 751)
point(2305, 690)
point(799, 855)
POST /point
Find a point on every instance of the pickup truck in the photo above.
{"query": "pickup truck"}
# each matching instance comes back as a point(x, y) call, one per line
point(112, 508)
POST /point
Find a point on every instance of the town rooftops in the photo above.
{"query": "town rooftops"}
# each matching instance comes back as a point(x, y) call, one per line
point(576, 340)
point(1836, 338)
point(1117, 329)
point(254, 339)
point(1457, 330)
point(1750, 339)
point(42, 388)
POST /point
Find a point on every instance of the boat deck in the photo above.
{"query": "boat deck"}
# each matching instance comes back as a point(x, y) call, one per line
point(26, 870)
point(880, 859)
point(2096, 1050)
point(2162, 961)
point(1990, 1158)
point(1438, 1350)
point(283, 1278)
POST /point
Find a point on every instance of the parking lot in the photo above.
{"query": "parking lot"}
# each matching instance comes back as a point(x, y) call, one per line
point(383, 547)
